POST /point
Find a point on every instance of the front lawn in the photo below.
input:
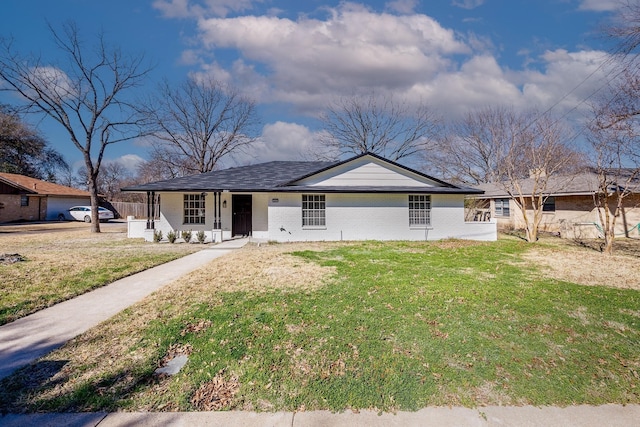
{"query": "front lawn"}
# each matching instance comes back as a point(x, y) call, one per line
point(390, 326)
point(64, 262)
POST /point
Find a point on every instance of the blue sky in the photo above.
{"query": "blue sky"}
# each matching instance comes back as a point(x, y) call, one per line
point(293, 56)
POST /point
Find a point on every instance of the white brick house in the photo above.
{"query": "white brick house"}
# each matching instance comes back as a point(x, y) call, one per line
point(363, 198)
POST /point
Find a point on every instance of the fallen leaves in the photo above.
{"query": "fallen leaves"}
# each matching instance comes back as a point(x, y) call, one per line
point(216, 394)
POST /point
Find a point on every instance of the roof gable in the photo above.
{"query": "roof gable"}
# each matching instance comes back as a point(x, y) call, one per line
point(368, 170)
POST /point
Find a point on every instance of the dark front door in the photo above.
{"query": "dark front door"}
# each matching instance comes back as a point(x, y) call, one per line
point(241, 211)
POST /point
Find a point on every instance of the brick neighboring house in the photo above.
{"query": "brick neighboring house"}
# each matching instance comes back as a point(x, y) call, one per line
point(23, 198)
point(569, 210)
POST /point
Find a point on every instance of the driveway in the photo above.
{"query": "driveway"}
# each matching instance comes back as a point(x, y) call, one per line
point(118, 225)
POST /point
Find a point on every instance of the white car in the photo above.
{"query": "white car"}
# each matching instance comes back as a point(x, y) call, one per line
point(83, 213)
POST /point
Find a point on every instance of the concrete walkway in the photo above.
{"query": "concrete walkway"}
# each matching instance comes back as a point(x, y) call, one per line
point(33, 336)
point(490, 416)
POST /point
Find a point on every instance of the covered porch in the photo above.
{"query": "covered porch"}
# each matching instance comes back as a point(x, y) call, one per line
point(221, 215)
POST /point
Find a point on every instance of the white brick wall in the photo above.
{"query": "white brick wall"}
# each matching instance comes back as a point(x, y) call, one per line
point(278, 216)
point(373, 217)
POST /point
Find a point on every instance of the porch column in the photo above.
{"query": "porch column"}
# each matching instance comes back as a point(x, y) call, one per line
point(217, 211)
point(220, 213)
point(151, 210)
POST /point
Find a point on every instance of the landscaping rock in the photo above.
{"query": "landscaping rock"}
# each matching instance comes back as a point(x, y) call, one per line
point(173, 366)
point(11, 258)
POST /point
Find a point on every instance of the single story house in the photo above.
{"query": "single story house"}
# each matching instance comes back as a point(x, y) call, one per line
point(23, 198)
point(569, 209)
point(363, 198)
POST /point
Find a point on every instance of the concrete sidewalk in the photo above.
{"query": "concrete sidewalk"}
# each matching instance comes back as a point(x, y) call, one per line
point(490, 416)
point(33, 336)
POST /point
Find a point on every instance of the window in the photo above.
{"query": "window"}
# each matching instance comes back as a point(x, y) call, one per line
point(24, 200)
point(419, 209)
point(313, 210)
point(549, 205)
point(194, 208)
point(502, 207)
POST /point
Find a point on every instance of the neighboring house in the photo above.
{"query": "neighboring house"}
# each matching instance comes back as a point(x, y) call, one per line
point(23, 198)
point(365, 197)
point(569, 209)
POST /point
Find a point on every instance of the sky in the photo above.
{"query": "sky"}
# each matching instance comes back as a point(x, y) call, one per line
point(293, 57)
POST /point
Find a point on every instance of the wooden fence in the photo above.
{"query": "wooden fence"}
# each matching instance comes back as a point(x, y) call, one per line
point(138, 210)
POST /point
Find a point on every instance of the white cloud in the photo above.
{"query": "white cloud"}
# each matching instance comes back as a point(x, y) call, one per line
point(352, 49)
point(570, 78)
point(280, 141)
point(55, 82)
point(201, 9)
point(308, 62)
point(467, 4)
point(600, 5)
point(129, 161)
point(402, 6)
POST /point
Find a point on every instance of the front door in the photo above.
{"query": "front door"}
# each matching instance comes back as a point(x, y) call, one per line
point(241, 211)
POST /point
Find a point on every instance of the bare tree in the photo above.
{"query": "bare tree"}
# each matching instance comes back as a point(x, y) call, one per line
point(614, 130)
point(473, 148)
point(522, 152)
point(378, 124)
point(543, 149)
point(86, 94)
point(155, 169)
point(614, 134)
point(113, 177)
point(199, 123)
point(624, 29)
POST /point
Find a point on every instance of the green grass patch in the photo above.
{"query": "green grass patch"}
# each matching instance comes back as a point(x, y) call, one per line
point(61, 265)
point(403, 326)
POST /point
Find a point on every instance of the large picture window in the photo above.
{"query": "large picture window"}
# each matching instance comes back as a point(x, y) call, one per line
point(313, 210)
point(419, 209)
point(502, 207)
point(194, 209)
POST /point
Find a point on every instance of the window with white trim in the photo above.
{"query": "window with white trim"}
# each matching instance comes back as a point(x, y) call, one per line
point(194, 209)
point(313, 210)
point(549, 204)
point(419, 209)
point(24, 200)
point(502, 207)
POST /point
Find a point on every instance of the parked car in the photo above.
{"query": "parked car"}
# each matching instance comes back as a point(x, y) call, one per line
point(83, 213)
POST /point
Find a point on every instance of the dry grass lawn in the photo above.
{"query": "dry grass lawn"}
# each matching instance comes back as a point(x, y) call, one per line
point(63, 260)
point(113, 350)
point(582, 263)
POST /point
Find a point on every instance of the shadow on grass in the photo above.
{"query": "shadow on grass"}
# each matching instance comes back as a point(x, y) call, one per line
point(45, 386)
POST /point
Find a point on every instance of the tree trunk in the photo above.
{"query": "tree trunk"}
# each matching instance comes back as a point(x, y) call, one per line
point(609, 237)
point(95, 204)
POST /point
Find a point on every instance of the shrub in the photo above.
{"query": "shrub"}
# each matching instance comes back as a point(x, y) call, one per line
point(172, 236)
point(186, 235)
point(201, 236)
point(157, 236)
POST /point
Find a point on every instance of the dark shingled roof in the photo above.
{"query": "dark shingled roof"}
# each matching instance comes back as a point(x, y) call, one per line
point(260, 177)
point(280, 176)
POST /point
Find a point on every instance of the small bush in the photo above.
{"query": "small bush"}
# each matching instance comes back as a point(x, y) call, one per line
point(186, 235)
point(201, 236)
point(157, 236)
point(172, 236)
